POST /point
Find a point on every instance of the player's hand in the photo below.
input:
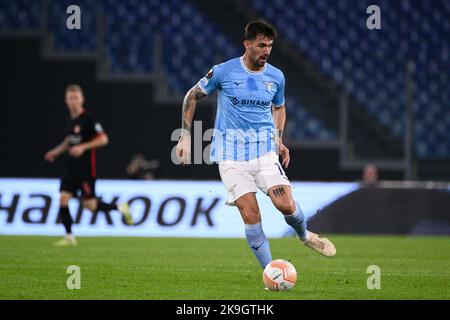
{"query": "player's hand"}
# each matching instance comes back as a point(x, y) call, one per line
point(284, 154)
point(184, 149)
point(50, 156)
point(76, 151)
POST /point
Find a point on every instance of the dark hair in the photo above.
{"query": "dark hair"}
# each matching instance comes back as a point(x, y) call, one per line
point(259, 27)
point(74, 87)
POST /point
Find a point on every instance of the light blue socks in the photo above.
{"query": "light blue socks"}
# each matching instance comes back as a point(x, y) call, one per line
point(258, 243)
point(297, 221)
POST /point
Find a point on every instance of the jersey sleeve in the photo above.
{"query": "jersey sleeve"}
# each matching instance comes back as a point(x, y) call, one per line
point(278, 98)
point(95, 128)
point(212, 80)
point(98, 128)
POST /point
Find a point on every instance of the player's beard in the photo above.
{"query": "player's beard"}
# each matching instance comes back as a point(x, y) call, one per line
point(260, 61)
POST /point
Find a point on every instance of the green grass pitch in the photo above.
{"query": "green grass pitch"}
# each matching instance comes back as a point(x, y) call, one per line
point(180, 268)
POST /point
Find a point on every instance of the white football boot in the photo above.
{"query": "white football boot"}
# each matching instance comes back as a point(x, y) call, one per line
point(124, 209)
point(67, 241)
point(319, 244)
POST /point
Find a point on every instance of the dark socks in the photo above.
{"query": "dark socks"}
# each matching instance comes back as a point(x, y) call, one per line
point(103, 206)
point(66, 219)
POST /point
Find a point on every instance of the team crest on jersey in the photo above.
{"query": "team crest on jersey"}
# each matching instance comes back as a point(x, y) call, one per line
point(269, 86)
point(98, 127)
point(77, 129)
point(209, 74)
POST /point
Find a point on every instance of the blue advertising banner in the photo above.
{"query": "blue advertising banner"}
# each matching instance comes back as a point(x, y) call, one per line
point(160, 208)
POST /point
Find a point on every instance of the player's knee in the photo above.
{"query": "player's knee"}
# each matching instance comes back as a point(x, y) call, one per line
point(90, 204)
point(286, 207)
point(252, 218)
point(251, 215)
point(248, 207)
point(64, 201)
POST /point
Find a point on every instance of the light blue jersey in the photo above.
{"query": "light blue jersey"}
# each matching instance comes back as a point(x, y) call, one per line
point(244, 128)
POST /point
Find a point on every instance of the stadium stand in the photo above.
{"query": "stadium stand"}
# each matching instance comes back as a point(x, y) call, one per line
point(368, 65)
point(371, 65)
point(20, 15)
point(62, 39)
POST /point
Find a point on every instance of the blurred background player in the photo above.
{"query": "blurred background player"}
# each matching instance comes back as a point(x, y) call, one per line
point(140, 168)
point(370, 175)
point(248, 138)
point(84, 135)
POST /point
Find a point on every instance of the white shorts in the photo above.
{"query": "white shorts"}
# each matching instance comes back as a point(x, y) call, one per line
point(241, 177)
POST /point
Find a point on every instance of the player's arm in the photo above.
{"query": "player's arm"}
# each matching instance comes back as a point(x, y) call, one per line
point(100, 140)
point(206, 85)
point(188, 110)
point(279, 119)
point(52, 154)
point(189, 105)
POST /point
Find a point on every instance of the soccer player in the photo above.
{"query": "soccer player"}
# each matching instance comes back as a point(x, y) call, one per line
point(84, 135)
point(247, 139)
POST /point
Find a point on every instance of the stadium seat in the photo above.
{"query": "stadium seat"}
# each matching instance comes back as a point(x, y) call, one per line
point(370, 65)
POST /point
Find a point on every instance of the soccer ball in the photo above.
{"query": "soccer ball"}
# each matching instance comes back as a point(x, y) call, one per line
point(279, 275)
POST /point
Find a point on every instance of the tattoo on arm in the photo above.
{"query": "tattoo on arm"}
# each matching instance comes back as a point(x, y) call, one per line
point(280, 133)
point(279, 118)
point(189, 104)
point(278, 192)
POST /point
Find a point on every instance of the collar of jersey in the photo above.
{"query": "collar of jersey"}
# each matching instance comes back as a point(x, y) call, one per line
point(241, 59)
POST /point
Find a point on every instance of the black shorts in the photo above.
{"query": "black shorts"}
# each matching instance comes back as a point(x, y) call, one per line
point(76, 184)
